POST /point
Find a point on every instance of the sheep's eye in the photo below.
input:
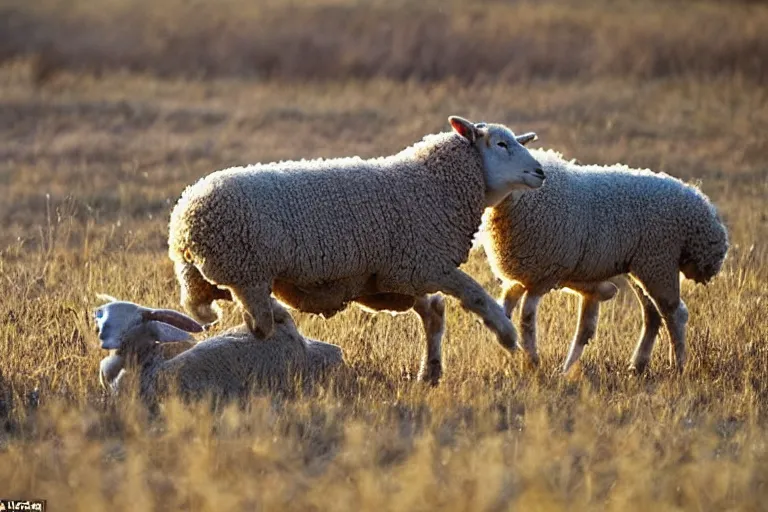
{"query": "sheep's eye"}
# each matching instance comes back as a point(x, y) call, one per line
point(502, 144)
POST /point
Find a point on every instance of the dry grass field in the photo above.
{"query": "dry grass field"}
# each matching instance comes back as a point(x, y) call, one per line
point(108, 110)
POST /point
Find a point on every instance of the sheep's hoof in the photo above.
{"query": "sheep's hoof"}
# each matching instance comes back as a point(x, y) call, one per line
point(573, 356)
point(431, 372)
point(638, 367)
point(532, 362)
point(508, 340)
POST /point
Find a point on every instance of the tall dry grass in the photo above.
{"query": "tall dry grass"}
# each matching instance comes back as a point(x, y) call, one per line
point(429, 40)
point(90, 166)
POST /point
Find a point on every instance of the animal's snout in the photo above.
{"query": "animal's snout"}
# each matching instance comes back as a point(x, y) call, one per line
point(538, 172)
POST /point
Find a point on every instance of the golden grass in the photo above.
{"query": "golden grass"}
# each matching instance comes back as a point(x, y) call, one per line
point(425, 40)
point(90, 167)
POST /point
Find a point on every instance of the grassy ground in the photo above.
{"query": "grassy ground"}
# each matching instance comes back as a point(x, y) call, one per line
point(90, 166)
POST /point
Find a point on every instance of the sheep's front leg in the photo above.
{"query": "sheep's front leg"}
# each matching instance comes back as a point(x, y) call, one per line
point(474, 298)
point(676, 319)
point(431, 310)
point(651, 326)
point(528, 325)
point(662, 284)
point(585, 330)
point(256, 302)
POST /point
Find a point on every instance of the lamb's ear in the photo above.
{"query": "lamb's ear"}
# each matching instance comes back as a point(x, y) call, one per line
point(464, 128)
point(174, 318)
point(526, 138)
point(109, 368)
point(167, 333)
point(104, 298)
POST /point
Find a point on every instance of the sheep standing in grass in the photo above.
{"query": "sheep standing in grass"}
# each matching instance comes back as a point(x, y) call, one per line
point(383, 232)
point(589, 223)
point(227, 366)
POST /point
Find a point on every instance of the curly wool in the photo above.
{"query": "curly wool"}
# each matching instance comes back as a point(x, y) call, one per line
point(590, 222)
point(229, 365)
point(399, 218)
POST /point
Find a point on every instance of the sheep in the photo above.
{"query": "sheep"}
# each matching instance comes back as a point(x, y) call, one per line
point(384, 233)
point(589, 223)
point(227, 365)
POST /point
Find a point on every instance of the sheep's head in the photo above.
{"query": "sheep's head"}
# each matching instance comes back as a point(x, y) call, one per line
point(507, 165)
point(126, 327)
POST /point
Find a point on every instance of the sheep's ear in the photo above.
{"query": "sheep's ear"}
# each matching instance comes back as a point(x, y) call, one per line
point(104, 298)
point(526, 138)
point(174, 318)
point(167, 333)
point(464, 128)
point(109, 368)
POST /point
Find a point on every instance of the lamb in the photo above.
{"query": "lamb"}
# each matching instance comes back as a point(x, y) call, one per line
point(227, 366)
point(384, 233)
point(589, 223)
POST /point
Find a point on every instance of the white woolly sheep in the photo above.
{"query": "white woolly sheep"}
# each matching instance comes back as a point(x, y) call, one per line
point(383, 232)
point(589, 223)
point(226, 366)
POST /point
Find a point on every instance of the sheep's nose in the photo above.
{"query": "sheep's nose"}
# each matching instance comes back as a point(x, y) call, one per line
point(539, 172)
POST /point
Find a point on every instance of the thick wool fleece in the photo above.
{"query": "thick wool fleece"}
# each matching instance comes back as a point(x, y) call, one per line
point(399, 220)
point(589, 223)
point(232, 364)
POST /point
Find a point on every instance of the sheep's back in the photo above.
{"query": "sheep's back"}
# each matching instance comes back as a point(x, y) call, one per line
point(234, 361)
point(331, 219)
point(589, 222)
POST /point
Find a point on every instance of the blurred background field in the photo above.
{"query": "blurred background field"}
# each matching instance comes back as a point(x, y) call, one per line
point(109, 109)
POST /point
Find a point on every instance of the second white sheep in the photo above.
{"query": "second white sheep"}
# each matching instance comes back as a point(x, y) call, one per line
point(589, 223)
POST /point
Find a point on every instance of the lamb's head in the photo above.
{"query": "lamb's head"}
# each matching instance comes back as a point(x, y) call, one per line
point(507, 164)
point(132, 330)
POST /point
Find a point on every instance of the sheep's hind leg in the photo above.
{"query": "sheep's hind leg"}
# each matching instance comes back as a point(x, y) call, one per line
point(510, 296)
point(198, 294)
point(256, 302)
point(528, 325)
point(665, 292)
point(591, 294)
point(651, 324)
point(585, 330)
point(431, 310)
point(474, 298)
